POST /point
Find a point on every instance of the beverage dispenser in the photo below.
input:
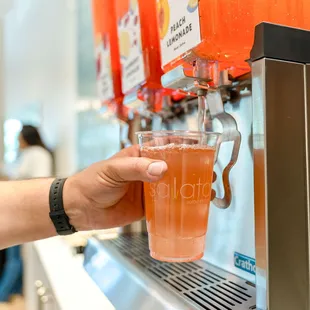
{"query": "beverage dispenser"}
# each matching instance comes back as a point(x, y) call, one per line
point(107, 55)
point(141, 65)
point(250, 76)
point(140, 55)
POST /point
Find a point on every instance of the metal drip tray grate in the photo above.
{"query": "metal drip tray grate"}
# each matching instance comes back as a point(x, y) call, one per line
point(201, 284)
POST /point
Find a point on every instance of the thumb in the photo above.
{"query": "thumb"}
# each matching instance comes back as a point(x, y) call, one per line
point(135, 169)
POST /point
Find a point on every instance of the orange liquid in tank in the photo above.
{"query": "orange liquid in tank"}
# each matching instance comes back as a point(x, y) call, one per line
point(105, 29)
point(177, 207)
point(227, 29)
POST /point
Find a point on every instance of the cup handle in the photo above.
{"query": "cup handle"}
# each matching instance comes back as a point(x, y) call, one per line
point(230, 133)
point(224, 203)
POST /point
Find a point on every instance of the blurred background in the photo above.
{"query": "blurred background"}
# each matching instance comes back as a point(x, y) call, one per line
point(48, 80)
point(78, 78)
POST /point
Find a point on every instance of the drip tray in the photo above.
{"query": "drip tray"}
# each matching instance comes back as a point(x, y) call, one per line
point(195, 285)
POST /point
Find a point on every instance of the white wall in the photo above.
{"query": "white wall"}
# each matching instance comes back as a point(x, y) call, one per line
point(40, 68)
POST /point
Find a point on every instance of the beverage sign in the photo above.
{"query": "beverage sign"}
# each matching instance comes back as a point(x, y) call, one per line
point(104, 69)
point(130, 45)
point(179, 27)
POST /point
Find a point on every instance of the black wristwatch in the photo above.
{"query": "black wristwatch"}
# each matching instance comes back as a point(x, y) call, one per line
point(57, 212)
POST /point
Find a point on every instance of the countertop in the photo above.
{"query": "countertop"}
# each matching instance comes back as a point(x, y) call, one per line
point(72, 287)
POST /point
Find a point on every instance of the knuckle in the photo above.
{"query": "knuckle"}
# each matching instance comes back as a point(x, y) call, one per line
point(110, 174)
point(137, 165)
point(109, 167)
point(140, 166)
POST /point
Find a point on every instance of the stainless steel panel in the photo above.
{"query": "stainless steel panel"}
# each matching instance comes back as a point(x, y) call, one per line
point(145, 283)
point(280, 126)
point(259, 98)
point(232, 230)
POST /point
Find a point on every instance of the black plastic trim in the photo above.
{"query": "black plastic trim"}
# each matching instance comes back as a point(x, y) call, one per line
point(281, 43)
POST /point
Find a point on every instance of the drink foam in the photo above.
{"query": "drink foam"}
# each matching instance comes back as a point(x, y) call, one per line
point(174, 146)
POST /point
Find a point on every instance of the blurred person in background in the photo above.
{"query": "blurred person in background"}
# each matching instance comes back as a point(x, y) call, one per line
point(36, 161)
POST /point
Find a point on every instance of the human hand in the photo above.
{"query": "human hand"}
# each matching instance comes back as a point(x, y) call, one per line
point(110, 193)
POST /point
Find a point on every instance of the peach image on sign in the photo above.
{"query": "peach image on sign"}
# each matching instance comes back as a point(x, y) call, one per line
point(163, 10)
point(124, 44)
point(98, 43)
point(98, 39)
point(133, 5)
point(192, 6)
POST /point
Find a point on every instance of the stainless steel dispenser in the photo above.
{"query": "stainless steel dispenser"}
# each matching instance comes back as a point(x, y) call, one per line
point(281, 75)
point(257, 248)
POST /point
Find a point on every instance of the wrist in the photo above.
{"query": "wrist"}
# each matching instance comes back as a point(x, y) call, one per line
point(74, 205)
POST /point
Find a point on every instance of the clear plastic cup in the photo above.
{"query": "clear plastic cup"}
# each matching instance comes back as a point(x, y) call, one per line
point(177, 206)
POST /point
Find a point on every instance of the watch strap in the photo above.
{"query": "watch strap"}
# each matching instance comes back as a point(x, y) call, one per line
point(57, 212)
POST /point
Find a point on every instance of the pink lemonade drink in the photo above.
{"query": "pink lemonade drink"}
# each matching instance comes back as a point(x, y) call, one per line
point(177, 207)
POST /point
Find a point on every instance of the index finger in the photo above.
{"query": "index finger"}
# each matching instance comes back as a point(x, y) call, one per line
point(132, 151)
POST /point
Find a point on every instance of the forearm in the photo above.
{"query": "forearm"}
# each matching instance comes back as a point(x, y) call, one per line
point(105, 195)
point(24, 212)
